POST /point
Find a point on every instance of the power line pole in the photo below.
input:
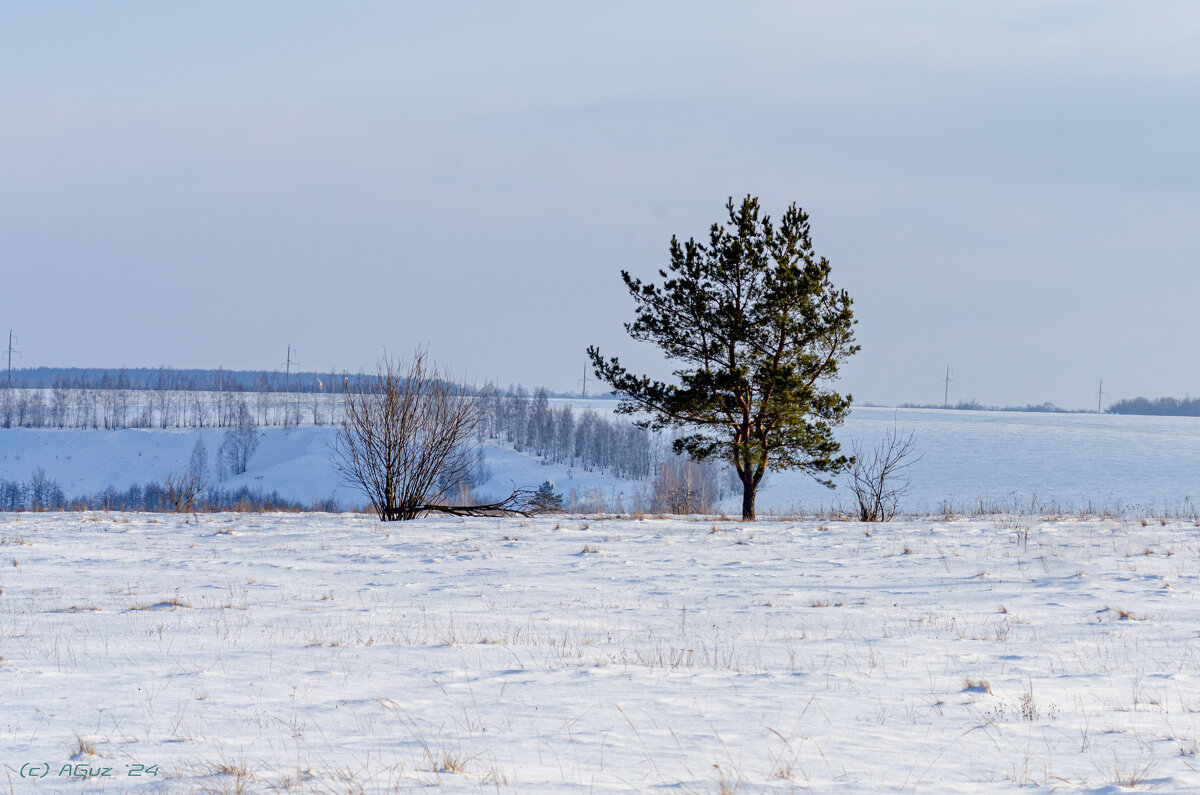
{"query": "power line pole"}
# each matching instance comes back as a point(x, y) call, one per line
point(287, 373)
point(11, 339)
point(946, 396)
point(1099, 395)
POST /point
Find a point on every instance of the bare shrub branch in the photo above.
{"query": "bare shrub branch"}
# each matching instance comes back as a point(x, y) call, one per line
point(182, 490)
point(877, 475)
point(520, 502)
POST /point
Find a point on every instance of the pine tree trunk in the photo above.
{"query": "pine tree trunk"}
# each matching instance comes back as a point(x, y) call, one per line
point(749, 489)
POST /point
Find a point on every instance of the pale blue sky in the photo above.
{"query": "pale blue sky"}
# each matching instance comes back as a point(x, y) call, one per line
point(1010, 188)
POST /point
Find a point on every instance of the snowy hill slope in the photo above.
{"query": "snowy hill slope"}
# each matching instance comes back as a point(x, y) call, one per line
point(295, 462)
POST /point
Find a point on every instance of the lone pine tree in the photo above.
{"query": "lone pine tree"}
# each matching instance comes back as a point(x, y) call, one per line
point(759, 332)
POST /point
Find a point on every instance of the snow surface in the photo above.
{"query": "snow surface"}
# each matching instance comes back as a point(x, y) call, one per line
point(330, 653)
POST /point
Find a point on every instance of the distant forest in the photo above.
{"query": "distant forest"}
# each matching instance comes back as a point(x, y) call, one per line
point(168, 398)
point(196, 380)
point(147, 378)
point(1163, 407)
point(1166, 407)
point(975, 405)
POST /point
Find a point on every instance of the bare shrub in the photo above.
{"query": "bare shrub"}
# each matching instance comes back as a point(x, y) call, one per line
point(183, 489)
point(682, 485)
point(877, 474)
point(409, 440)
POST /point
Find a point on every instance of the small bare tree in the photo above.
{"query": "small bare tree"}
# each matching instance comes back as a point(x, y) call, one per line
point(878, 475)
point(183, 489)
point(409, 438)
point(682, 485)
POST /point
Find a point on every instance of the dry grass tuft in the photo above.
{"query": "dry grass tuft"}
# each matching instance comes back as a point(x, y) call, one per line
point(977, 686)
point(452, 763)
point(83, 747)
point(172, 603)
point(1122, 615)
point(1131, 776)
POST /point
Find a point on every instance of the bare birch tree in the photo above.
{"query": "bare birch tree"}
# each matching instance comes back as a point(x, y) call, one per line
point(240, 442)
point(409, 438)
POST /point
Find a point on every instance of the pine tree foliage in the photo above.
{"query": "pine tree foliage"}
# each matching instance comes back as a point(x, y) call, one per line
point(758, 332)
point(545, 499)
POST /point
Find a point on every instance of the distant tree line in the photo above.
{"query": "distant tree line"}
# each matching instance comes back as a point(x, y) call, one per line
point(148, 378)
point(166, 397)
point(594, 443)
point(975, 405)
point(173, 400)
point(41, 493)
point(151, 378)
point(1166, 407)
point(585, 440)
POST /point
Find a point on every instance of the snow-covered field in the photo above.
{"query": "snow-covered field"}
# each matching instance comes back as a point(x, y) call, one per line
point(329, 653)
point(1070, 462)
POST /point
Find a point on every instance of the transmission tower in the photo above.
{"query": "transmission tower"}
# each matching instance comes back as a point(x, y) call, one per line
point(287, 371)
point(11, 351)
